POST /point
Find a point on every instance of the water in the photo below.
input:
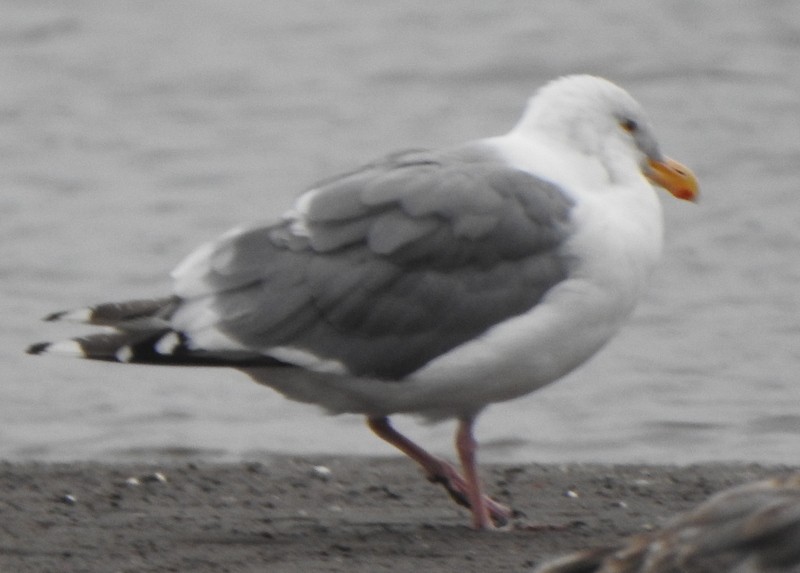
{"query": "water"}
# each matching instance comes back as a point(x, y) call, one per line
point(132, 131)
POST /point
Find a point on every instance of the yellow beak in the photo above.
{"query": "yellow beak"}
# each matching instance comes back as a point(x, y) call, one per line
point(674, 177)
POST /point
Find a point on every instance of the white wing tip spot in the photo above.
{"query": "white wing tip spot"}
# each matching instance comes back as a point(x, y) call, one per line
point(124, 354)
point(167, 344)
point(77, 315)
point(65, 348)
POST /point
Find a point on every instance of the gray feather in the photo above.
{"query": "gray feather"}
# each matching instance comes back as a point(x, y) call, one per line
point(391, 265)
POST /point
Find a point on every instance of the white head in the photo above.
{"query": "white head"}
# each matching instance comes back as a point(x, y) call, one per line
point(594, 117)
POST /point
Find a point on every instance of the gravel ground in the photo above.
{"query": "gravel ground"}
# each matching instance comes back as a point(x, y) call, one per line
point(324, 514)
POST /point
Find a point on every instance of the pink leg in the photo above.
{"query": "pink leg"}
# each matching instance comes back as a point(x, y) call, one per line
point(467, 454)
point(466, 492)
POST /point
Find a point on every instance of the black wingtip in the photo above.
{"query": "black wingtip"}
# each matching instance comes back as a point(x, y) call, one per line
point(52, 317)
point(38, 348)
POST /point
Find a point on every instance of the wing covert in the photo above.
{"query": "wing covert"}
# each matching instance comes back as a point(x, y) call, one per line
point(386, 267)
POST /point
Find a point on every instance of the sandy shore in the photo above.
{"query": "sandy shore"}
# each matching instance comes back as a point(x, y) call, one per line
point(293, 515)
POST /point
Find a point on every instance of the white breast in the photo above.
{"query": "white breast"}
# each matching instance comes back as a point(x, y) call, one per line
point(616, 243)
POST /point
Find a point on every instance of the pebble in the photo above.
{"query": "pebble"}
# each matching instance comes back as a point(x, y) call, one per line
point(321, 472)
point(155, 477)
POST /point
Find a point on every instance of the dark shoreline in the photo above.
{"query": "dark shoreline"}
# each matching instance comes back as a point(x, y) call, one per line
point(360, 514)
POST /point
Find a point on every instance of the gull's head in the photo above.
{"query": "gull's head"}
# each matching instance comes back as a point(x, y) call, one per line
point(597, 118)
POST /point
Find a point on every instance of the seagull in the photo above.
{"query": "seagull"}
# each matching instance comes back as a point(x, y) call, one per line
point(751, 528)
point(429, 282)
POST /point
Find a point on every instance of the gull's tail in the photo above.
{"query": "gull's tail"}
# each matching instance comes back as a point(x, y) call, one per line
point(138, 331)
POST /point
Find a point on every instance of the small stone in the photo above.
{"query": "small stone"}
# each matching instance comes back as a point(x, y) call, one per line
point(133, 482)
point(155, 477)
point(321, 472)
point(571, 494)
point(69, 499)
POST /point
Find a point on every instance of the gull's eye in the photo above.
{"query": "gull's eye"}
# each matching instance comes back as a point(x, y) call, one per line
point(629, 125)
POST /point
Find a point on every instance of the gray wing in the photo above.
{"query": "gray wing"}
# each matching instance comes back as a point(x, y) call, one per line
point(387, 267)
